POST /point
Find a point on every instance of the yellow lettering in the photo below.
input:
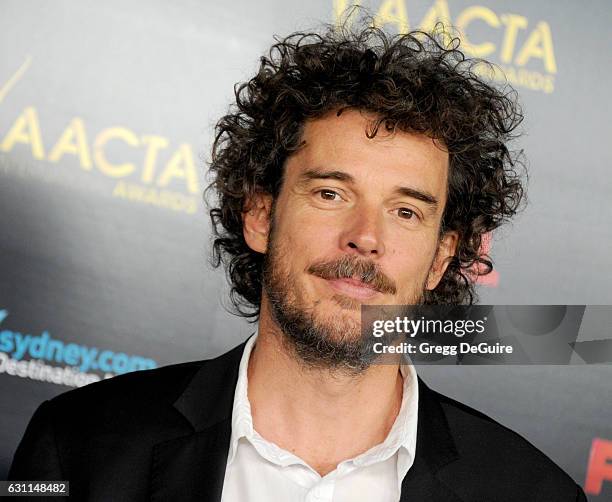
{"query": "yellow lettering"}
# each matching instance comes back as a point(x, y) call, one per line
point(393, 12)
point(510, 73)
point(437, 13)
point(120, 189)
point(465, 18)
point(539, 45)
point(151, 196)
point(341, 7)
point(135, 192)
point(113, 170)
point(26, 129)
point(181, 166)
point(16, 77)
point(74, 142)
point(513, 23)
point(154, 144)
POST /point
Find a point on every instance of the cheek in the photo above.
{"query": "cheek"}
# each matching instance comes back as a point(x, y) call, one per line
point(311, 235)
point(412, 258)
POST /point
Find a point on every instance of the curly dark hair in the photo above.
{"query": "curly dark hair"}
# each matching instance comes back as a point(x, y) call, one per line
point(416, 82)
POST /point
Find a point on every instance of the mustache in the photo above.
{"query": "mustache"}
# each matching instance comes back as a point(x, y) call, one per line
point(350, 267)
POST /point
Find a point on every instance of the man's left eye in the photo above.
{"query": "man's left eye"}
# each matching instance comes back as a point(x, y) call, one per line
point(405, 213)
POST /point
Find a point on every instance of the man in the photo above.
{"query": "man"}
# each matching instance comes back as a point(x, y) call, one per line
point(356, 169)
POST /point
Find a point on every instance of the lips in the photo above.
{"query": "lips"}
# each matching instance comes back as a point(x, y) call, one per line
point(353, 288)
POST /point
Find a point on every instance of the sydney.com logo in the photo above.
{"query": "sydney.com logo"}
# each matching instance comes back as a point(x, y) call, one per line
point(25, 356)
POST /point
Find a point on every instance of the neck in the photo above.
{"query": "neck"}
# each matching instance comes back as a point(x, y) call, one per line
point(321, 416)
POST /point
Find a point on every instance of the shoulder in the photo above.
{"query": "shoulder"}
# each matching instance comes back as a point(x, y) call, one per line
point(137, 399)
point(498, 458)
point(120, 420)
point(152, 387)
point(70, 431)
point(125, 406)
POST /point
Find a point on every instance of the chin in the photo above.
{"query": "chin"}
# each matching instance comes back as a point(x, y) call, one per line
point(343, 325)
point(346, 303)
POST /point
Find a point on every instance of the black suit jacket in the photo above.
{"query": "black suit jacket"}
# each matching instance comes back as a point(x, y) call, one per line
point(163, 435)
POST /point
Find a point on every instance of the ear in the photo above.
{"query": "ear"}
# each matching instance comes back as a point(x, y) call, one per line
point(444, 254)
point(256, 221)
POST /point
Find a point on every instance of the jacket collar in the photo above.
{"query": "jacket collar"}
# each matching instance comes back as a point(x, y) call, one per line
point(435, 449)
point(209, 396)
point(192, 467)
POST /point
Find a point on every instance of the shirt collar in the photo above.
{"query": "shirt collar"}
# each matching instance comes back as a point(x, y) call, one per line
point(242, 419)
point(402, 435)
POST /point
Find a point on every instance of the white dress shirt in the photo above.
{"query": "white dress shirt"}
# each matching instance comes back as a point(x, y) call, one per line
point(260, 471)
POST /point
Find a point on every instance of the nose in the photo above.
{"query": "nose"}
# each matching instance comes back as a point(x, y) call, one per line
point(362, 234)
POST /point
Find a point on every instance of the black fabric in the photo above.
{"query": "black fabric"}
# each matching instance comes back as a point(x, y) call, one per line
point(163, 435)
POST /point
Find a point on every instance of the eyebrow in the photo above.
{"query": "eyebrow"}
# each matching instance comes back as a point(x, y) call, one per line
point(316, 174)
point(414, 193)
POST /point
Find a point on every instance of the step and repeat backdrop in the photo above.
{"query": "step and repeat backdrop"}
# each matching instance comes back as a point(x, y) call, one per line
point(107, 112)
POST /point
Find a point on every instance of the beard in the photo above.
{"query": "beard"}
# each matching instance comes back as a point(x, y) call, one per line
point(334, 342)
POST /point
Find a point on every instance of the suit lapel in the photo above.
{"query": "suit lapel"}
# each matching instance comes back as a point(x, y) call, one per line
point(192, 467)
point(435, 449)
point(421, 483)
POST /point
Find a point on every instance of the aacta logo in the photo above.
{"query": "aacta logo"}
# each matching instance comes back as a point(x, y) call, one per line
point(524, 49)
point(73, 145)
point(600, 466)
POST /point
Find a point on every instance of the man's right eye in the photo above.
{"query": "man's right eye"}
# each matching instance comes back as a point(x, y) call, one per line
point(327, 194)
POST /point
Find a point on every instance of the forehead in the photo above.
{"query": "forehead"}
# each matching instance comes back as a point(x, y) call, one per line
point(340, 142)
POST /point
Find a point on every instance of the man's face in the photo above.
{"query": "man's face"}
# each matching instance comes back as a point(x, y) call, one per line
point(357, 221)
